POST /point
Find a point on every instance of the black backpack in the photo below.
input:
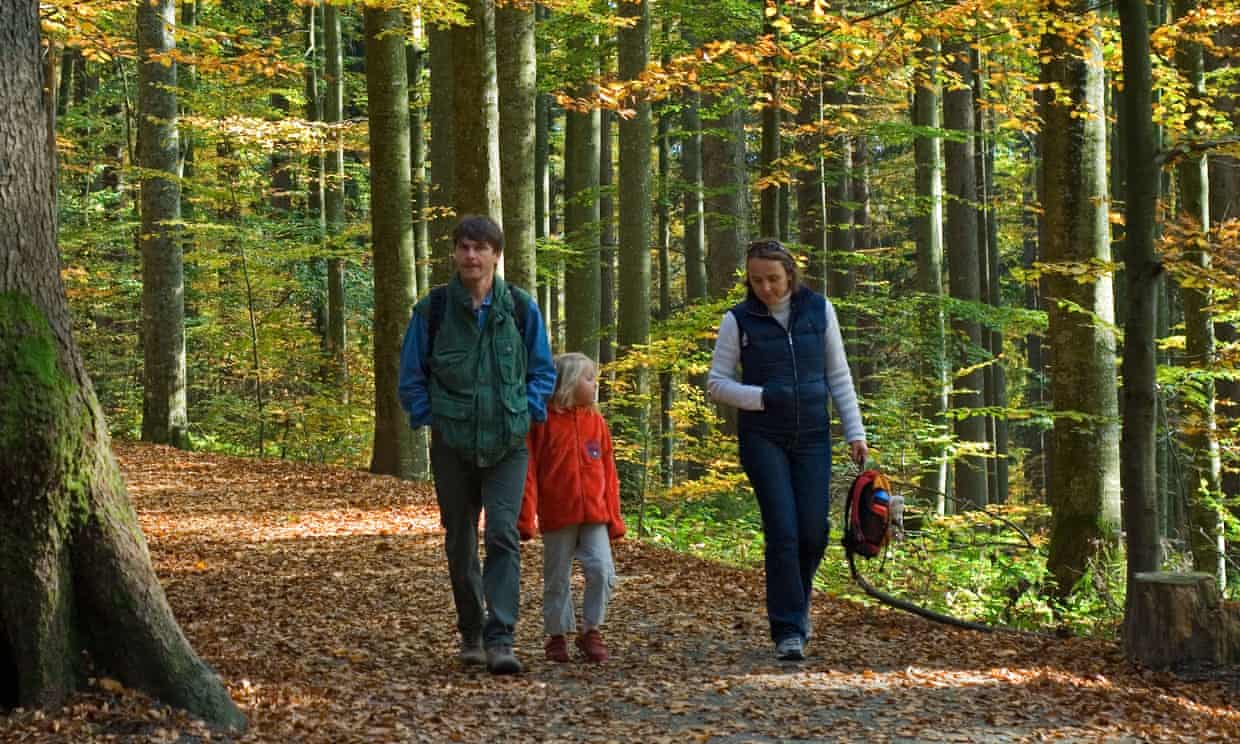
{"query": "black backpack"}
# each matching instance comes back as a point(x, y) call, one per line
point(439, 306)
point(868, 514)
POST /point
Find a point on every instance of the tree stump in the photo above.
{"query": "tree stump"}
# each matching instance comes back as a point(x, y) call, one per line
point(1178, 619)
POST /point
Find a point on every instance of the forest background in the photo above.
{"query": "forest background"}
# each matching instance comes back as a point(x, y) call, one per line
point(252, 195)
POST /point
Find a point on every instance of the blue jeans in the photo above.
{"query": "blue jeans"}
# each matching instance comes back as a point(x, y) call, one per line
point(791, 478)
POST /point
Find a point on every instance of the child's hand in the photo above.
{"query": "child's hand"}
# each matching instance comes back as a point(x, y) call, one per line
point(526, 535)
point(616, 531)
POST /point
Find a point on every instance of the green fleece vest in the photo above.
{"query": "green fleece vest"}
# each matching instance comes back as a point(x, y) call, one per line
point(477, 382)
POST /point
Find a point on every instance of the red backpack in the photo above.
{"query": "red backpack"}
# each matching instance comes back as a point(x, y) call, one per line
point(868, 513)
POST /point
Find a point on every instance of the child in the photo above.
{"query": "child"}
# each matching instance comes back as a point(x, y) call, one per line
point(572, 488)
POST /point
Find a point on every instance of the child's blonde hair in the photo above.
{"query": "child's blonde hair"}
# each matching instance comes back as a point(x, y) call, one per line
point(569, 369)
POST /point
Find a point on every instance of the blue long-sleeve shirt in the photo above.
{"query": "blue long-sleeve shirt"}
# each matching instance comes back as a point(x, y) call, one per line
point(415, 365)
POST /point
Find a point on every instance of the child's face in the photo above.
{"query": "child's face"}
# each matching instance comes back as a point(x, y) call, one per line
point(587, 384)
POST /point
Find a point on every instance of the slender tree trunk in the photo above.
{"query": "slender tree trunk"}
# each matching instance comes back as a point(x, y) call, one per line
point(963, 262)
point(164, 416)
point(667, 382)
point(1035, 466)
point(475, 99)
point(861, 355)
point(1205, 533)
point(1144, 275)
point(75, 571)
point(333, 199)
point(515, 59)
point(443, 153)
point(928, 154)
point(1084, 488)
point(391, 230)
point(811, 198)
point(768, 190)
point(694, 210)
point(582, 291)
point(416, 72)
point(838, 174)
point(609, 241)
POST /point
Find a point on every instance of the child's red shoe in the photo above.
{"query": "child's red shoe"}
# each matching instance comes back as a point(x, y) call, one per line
point(556, 649)
point(591, 644)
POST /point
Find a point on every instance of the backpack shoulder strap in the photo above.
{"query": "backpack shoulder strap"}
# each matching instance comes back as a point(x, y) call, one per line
point(520, 307)
point(438, 306)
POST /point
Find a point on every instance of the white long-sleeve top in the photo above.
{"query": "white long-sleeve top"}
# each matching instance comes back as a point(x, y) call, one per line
point(723, 386)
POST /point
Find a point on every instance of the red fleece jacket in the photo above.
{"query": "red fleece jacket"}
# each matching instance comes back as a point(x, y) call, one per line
point(572, 474)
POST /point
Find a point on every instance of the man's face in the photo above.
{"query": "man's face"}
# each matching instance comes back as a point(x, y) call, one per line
point(475, 260)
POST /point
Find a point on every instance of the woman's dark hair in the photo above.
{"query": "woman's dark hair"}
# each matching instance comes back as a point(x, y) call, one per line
point(770, 249)
point(480, 229)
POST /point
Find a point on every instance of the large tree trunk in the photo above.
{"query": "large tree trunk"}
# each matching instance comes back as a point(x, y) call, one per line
point(963, 263)
point(164, 416)
point(75, 574)
point(727, 206)
point(475, 99)
point(1205, 527)
point(633, 285)
point(1084, 497)
point(694, 210)
point(515, 59)
point(415, 57)
point(333, 197)
point(928, 226)
point(391, 232)
point(1144, 276)
point(581, 217)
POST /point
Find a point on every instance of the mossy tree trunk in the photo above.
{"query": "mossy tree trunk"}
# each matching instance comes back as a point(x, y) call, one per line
point(1085, 496)
point(75, 574)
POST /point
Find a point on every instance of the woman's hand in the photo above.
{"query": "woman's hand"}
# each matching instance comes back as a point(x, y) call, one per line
point(858, 451)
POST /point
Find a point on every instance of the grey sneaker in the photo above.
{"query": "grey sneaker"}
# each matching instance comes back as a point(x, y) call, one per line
point(791, 648)
point(501, 660)
point(471, 652)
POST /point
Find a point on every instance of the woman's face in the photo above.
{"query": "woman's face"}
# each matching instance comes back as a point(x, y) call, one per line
point(768, 278)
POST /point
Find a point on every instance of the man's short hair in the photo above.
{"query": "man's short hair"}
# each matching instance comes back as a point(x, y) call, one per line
point(480, 229)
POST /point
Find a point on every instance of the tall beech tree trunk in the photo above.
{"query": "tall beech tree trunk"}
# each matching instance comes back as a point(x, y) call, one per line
point(387, 91)
point(963, 264)
point(928, 155)
point(1033, 437)
point(1144, 277)
point(75, 574)
point(581, 216)
point(333, 197)
point(1205, 526)
point(475, 106)
point(667, 382)
point(164, 416)
point(635, 138)
point(727, 201)
point(837, 171)
point(1084, 487)
point(694, 210)
point(1224, 202)
point(516, 69)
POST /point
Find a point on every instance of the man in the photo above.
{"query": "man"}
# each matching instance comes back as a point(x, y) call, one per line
point(476, 367)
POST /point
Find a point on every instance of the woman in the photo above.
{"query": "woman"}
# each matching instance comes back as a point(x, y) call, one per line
point(787, 342)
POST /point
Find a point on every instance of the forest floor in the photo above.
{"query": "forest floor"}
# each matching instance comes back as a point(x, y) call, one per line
point(321, 596)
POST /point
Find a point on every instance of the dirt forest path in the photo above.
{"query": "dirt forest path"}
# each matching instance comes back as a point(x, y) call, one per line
point(321, 596)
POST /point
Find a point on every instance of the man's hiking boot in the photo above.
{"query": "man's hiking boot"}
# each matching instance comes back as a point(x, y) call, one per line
point(501, 660)
point(557, 649)
point(791, 648)
point(471, 652)
point(591, 644)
